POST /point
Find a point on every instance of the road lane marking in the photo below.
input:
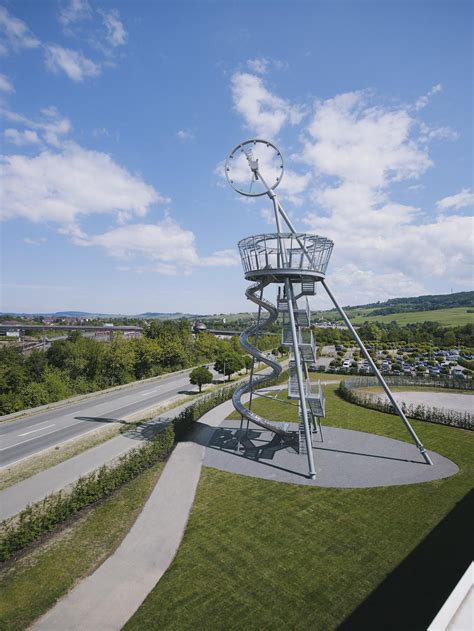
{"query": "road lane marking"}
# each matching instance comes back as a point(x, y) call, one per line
point(40, 429)
point(28, 440)
point(59, 429)
point(72, 424)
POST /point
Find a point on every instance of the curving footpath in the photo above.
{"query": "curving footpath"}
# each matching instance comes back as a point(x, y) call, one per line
point(110, 596)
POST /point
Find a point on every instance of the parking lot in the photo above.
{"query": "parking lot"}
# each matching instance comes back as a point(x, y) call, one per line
point(396, 361)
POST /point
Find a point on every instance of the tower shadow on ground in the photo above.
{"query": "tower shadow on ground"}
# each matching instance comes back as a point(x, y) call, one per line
point(249, 444)
point(411, 595)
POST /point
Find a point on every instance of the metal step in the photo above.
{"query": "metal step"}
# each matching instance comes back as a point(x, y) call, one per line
point(316, 406)
point(315, 399)
point(308, 287)
point(293, 390)
point(287, 336)
point(307, 347)
point(282, 304)
point(303, 315)
point(302, 446)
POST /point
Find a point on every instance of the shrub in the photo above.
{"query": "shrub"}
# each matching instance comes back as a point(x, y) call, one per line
point(38, 519)
point(455, 418)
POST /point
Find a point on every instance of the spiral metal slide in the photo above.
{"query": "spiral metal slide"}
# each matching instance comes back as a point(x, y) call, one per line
point(252, 350)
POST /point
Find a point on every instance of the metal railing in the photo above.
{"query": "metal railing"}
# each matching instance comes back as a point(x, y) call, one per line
point(263, 252)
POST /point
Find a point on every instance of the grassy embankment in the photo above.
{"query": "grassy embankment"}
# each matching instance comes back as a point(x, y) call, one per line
point(455, 316)
point(259, 554)
point(31, 585)
point(25, 469)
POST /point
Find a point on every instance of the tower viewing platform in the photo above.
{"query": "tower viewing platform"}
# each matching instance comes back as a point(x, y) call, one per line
point(297, 257)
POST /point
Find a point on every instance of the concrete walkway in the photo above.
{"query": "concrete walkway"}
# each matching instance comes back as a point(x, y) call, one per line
point(109, 597)
point(15, 498)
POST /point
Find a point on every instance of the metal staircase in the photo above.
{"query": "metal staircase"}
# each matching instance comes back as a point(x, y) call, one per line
point(312, 392)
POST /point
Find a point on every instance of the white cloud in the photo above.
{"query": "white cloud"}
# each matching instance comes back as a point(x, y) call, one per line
point(293, 185)
point(454, 202)
point(20, 138)
point(356, 286)
point(357, 150)
point(259, 65)
point(170, 248)
point(429, 133)
point(73, 63)
point(39, 241)
point(355, 141)
point(262, 65)
point(221, 258)
point(6, 85)
point(15, 33)
point(263, 112)
point(423, 100)
point(74, 11)
point(51, 126)
point(116, 33)
point(65, 186)
point(185, 134)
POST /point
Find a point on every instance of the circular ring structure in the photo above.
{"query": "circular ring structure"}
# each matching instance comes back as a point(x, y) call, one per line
point(285, 255)
point(253, 167)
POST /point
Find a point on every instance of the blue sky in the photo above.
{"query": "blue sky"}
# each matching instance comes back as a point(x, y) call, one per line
point(117, 117)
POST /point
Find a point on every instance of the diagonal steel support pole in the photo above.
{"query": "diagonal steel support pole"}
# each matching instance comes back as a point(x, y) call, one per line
point(383, 383)
point(299, 376)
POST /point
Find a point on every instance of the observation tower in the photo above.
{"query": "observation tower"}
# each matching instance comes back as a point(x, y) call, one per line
point(293, 264)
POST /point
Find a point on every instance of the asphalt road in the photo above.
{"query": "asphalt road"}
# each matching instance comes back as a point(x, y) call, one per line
point(29, 435)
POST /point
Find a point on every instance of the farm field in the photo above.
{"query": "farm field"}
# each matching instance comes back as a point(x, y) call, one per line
point(259, 554)
point(456, 316)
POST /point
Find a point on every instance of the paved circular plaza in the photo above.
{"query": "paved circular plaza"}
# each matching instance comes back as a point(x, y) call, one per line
point(343, 459)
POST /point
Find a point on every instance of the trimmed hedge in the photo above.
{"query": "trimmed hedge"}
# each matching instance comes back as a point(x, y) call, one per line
point(40, 518)
point(37, 519)
point(443, 416)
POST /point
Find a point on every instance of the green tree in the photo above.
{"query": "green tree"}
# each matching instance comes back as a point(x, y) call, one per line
point(35, 394)
point(200, 376)
point(229, 363)
point(248, 362)
point(35, 365)
point(118, 363)
point(56, 384)
point(146, 357)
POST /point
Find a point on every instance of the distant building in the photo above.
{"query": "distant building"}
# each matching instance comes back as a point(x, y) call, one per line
point(199, 327)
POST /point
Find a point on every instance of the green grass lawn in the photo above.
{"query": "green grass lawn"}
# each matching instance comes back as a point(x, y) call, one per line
point(456, 316)
point(265, 555)
point(32, 584)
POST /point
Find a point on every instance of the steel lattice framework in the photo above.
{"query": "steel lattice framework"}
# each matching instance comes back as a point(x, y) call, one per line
point(296, 262)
